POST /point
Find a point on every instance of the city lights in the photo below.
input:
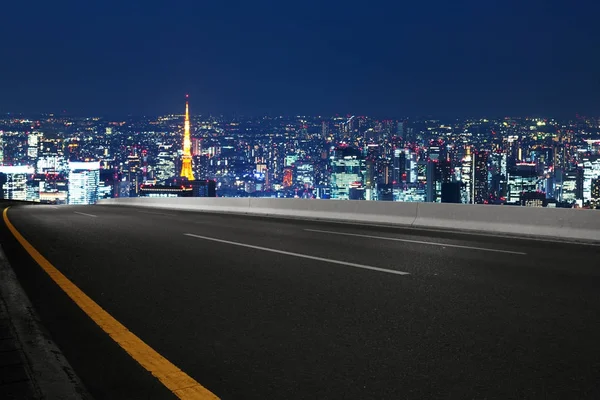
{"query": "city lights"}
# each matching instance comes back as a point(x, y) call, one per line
point(472, 161)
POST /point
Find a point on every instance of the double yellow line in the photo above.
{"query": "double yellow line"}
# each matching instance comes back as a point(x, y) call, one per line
point(177, 381)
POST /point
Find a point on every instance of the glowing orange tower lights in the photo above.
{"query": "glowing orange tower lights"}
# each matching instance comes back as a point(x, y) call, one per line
point(186, 165)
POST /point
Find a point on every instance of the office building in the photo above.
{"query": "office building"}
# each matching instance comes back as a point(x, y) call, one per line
point(203, 188)
point(521, 178)
point(165, 165)
point(288, 177)
point(32, 146)
point(84, 179)
point(385, 192)
point(305, 174)
point(480, 177)
point(466, 178)
point(571, 190)
point(595, 198)
point(399, 165)
point(15, 187)
point(196, 147)
point(591, 170)
point(348, 168)
point(533, 199)
point(412, 192)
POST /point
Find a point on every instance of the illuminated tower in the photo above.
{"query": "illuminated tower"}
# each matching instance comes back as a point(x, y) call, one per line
point(186, 164)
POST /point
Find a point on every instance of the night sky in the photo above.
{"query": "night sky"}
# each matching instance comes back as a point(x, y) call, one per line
point(380, 58)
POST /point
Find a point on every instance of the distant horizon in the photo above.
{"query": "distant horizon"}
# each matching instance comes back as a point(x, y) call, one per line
point(193, 114)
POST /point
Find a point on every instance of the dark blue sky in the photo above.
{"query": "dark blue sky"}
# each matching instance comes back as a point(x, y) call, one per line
point(382, 58)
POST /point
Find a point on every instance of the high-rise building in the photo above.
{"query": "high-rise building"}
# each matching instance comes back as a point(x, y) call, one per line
point(521, 178)
point(591, 170)
point(305, 174)
point(595, 199)
point(324, 130)
point(400, 129)
point(348, 169)
point(571, 190)
point(15, 187)
point(411, 166)
point(165, 164)
point(288, 177)
point(432, 183)
point(84, 178)
point(412, 192)
point(480, 177)
point(438, 173)
point(290, 160)
point(50, 157)
point(533, 199)
point(32, 146)
point(134, 173)
point(385, 192)
point(186, 160)
point(498, 172)
point(466, 178)
point(204, 188)
point(369, 179)
point(196, 147)
point(399, 164)
point(436, 150)
point(422, 172)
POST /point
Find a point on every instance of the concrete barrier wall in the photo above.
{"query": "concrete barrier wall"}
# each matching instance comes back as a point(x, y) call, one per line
point(573, 224)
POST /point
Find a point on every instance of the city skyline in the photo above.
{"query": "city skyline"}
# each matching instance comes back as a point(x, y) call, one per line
point(534, 162)
point(36, 116)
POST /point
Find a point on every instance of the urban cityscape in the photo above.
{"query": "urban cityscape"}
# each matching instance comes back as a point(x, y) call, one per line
point(523, 161)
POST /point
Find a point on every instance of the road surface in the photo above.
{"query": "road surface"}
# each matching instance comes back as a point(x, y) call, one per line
point(258, 308)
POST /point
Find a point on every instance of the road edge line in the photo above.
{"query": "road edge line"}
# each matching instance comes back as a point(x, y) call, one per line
point(178, 382)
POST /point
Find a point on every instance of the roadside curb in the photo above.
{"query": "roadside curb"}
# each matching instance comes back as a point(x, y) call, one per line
point(51, 376)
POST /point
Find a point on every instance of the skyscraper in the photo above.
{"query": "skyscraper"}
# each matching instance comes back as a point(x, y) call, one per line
point(399, 163)
point(186, 161)
point(324, 130)
point(595, 199)
point(466, 177)
point(591, 170)
point(348, 169)
point(480, 177)
point(438, 173)
point(15, 187)
point(571, 190)
point(134, 173)
point(32, 146)
point(84, 178)
point(522, 178)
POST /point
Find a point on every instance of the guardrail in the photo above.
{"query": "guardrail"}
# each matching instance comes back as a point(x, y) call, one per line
point(571, 224)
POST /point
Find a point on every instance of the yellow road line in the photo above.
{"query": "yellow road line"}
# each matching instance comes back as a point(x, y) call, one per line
point(177, 381)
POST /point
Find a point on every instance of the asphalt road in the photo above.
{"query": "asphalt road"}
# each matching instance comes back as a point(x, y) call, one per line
point(256, 308)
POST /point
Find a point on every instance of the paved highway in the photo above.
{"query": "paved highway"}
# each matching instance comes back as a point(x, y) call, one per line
point(255, 308)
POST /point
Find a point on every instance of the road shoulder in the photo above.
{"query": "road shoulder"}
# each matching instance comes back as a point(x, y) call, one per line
point(35, 366)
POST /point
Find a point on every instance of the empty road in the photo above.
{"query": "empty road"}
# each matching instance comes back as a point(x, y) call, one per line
point(258, 308)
